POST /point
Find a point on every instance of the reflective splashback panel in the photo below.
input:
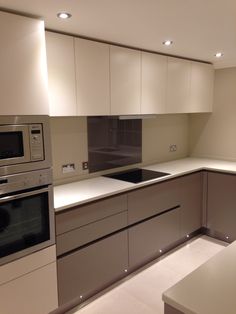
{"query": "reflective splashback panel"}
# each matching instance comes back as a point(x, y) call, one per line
point(113, 143)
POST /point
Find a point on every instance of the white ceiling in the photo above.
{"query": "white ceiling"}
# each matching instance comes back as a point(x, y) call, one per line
point(199, 28)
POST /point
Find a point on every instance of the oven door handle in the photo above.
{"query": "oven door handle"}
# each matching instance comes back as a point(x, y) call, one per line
point(22, 195)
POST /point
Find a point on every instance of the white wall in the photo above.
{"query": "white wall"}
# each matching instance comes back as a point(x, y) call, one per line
point(69, 142)
point(214, 135)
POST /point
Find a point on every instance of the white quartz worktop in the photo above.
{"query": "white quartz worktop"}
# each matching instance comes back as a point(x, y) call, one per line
point(210, 289)
point(77, 193)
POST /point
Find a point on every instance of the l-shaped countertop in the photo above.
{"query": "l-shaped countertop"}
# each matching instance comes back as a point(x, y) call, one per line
point(77, 193)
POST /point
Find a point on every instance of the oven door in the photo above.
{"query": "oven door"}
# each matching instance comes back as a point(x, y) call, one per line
point(14, 144)
point(26, 223)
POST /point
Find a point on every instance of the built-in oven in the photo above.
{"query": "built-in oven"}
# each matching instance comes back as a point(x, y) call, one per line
point(26, 214)
point(24, 143)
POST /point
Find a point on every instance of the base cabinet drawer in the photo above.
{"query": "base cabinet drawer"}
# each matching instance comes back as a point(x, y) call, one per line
point(148, 238)
point(88, 270)
point(33, 293)
point(85, 214)
point(78, 237)
point(152, 200)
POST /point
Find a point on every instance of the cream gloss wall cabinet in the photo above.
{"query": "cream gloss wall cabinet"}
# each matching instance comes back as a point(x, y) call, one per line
point(92, 77)
point(23, 77)
point(125, 67)
point(201, 87)
point(61, 74)
point(178, 84)
point(189, 86)
point(154, 79)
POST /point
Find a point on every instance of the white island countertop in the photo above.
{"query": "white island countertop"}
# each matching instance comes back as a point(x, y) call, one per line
point(210, 289)
point(77, 193)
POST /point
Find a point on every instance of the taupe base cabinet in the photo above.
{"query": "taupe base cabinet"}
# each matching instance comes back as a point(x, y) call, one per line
point(149, 239)
point(221, 206)
point(88, 270)
point(101, 242)
point(191, 203)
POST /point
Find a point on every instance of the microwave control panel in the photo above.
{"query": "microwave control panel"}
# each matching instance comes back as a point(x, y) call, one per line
point(36, 142)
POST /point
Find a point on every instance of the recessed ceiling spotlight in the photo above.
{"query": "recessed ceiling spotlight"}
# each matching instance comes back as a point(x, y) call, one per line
point(219, 55)
point(167, 42)
point(64, 15)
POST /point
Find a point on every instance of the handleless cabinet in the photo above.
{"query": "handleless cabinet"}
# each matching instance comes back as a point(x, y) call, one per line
point(90, 269)
point(125, 68)
point(35, 292)
point(152, 200)
point(92, 247)
point(191, 203)
point(178, 85)
point(23, 76)
point(154, 79)
point(92, 77)
point(148, 240)
point(221, 205)
point(201, 87)
point(61, 74)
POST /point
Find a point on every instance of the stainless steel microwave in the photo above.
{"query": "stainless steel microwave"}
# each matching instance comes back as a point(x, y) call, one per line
point(24, 143)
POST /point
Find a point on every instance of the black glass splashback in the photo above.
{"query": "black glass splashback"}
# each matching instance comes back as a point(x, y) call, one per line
point(113, 143)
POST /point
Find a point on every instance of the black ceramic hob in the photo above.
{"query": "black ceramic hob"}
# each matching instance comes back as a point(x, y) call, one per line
point(136, 175)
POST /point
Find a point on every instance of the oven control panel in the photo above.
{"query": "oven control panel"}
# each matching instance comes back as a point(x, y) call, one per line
point(24, 181)
point(36, 142)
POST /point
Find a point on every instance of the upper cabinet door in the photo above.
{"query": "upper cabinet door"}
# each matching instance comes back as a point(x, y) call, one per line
point(178, 85)
point(61, 74)
point(154, 76)
point(201, 87)
point(125, 67)
point(92, 77)
point(23, 74)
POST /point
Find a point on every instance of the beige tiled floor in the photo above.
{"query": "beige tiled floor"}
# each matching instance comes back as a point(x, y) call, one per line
point(141, 294)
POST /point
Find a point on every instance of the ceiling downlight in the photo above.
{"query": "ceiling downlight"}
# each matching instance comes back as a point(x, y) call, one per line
point(219, 55)
point(167, 42)
point(64, 15)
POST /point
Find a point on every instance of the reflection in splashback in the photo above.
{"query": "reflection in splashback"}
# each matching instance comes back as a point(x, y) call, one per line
point(113, 143)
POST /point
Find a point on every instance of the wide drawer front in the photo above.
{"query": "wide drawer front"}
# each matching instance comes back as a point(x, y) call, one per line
point(149, 239)
point(90, 269)
point(80, 236)
point(154, 199)
point(83, 215)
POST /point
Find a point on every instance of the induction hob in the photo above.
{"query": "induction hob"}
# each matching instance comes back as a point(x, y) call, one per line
point(136, 175)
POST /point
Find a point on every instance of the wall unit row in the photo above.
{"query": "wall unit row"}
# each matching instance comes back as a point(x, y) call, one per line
point(93, 78)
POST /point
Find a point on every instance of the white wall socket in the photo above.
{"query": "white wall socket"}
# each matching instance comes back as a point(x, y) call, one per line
point(68, 168)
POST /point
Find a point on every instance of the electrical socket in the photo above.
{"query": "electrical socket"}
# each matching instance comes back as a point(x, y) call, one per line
point(68, 168)
point(173, 148)
point(85, 165)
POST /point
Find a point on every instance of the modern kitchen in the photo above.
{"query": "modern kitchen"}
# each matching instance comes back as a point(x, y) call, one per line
point(117, 157)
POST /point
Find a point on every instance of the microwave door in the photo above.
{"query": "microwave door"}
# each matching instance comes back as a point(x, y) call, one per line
point(14, 145)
